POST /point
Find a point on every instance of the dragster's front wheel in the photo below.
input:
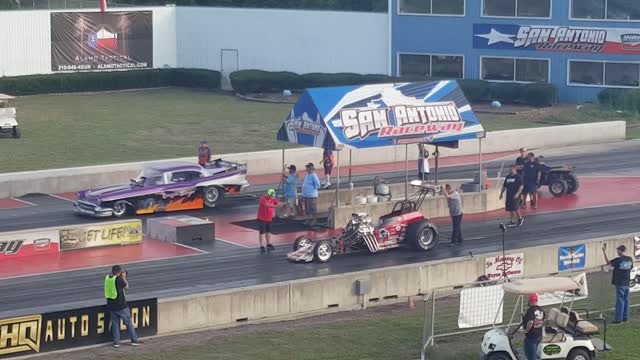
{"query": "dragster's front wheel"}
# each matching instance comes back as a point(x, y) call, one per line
point(323, 251)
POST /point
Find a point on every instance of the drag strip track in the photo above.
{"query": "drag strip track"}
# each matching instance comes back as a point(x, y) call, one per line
point(611, 159)
point(235, 268)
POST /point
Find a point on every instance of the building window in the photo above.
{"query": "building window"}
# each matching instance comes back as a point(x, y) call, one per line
point(605, 9)
point(432, 7)
point(439, 66)
point(599, 73)
point(517, 8)
point(514, 69)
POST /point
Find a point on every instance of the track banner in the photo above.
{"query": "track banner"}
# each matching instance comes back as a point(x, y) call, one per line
point(97, 235)
point(636, 243)
point(556, 297)
point(101, 40)
point(572, 257)
point(28, 243)
point(557, 38)
point(511, 265)
point(479, 306)
point(29, 335)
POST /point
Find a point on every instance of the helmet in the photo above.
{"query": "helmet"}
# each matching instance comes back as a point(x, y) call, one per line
point(271, 192)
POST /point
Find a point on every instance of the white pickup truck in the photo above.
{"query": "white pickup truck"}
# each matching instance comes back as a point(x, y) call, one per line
point(8, 123)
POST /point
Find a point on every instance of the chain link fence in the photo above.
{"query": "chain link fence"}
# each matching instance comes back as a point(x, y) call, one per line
point(443, 307)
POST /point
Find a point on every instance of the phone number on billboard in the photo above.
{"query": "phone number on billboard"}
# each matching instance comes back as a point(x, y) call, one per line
point(73, 67)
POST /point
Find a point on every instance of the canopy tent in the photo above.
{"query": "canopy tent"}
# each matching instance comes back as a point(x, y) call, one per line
point(381, 115)
point(377, 115)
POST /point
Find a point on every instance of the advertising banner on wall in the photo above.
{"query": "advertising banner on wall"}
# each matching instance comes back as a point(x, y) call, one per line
point(557, 297)
point(101, 41)
point(479, 306)
point(82, 237)
point(572, 257)
point(28, 335)
point(636, 243)
point(556, 38)
point(22, 244)
point(511, 265)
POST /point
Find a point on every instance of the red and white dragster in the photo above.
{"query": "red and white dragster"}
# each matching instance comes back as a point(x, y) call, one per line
point(404, 225)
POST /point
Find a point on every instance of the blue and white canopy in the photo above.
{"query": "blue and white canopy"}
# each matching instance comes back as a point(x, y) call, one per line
point(381, 115)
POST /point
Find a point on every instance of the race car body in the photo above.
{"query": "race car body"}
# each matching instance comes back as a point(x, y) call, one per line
point(165, 187)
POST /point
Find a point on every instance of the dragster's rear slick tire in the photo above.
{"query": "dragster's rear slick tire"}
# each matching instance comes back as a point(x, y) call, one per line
point(323, 251)
point(422, 235)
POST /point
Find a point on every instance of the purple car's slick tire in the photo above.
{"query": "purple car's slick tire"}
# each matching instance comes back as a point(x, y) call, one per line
point(212, 196)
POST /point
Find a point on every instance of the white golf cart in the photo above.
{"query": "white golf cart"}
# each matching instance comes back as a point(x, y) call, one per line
point(8, 123)
point(565, 335)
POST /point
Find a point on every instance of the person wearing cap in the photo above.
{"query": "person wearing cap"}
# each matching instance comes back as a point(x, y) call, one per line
point(266, 210)
point(310, 186)
point(204, 153)
point(533, 322)
point(621, 279)
point(290, 189)
point(328, 160)
point(115, 285)
point(521, 160)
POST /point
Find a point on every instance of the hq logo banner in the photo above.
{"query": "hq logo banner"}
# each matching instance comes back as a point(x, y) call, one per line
point(556, 38)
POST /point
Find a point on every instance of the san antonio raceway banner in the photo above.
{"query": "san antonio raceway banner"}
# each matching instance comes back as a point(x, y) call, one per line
point(101, 41)
point(381, 115)
point(33, 334)
point(557, 38)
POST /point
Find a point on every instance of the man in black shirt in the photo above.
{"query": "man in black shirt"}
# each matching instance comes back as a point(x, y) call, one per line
point(533, 322)
point(622, 266)
point(115, 285)
point(531, 179)
point(513, 186)
point(520, 160)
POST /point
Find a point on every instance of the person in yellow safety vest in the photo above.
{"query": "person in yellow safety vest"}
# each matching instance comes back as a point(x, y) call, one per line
point(115, 284)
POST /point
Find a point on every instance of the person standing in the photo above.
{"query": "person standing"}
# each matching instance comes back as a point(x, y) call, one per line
point(291, 190)
point(533, 322)
point(513, 186)
point(115, 285)
point(622, 266)
point(455, 210)
point(520, 160)
point(310, 186)
point(204, 153)
point(531, 179)
point(328, 161)
point(266, 210)
point(423, 162)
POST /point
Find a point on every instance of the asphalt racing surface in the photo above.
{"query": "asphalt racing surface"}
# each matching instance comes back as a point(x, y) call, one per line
point(229, 266)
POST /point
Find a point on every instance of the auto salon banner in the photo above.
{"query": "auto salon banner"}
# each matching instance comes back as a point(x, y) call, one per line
point(101, 41)
point(556, 38)
point(557, 297)
point(29, 335)
point(23, 244)
point(572, 257)
point(97, 235)
point(381, 115)
point(511, 265)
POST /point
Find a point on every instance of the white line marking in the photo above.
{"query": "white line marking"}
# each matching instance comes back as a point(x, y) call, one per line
point(60, 197)
point(191, 248)
point(23, 201)
point(236, 244)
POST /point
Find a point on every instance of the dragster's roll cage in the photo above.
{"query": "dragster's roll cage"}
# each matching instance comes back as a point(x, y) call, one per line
point(416, 199)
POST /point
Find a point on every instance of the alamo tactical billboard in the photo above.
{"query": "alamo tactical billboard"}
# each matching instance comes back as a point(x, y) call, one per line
point(101, 41)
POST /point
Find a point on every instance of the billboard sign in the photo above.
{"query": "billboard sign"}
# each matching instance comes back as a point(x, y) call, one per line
point(29, 335)
point(101, 41)
point(22, 244)
point(511, 265)
point(89, 236)
point(556, 38)
point(572, 257)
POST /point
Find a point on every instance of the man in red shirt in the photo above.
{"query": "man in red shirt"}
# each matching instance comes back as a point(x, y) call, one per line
point(266, 209)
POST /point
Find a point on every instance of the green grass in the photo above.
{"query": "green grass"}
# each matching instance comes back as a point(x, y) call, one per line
point(92, 129)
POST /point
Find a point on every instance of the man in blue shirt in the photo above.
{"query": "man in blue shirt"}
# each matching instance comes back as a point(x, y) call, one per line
point(310, 186)
point(290, 190)
point(621, 279)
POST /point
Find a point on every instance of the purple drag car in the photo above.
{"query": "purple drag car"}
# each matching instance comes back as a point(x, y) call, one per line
point(165, 187)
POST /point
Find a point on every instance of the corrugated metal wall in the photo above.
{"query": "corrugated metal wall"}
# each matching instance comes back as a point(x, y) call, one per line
point(291, 40)
point(25, 40)
point(298, 41)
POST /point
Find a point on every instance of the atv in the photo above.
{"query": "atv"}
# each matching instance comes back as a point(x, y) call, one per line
point(404, 225)
point(561, 180)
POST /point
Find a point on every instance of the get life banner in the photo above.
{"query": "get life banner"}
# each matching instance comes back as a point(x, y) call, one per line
point(83, 41)
point(97, 235)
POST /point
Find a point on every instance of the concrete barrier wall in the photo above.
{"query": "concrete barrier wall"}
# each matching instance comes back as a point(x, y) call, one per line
point(433, 206)
point(266, 162)
point(306, 297)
